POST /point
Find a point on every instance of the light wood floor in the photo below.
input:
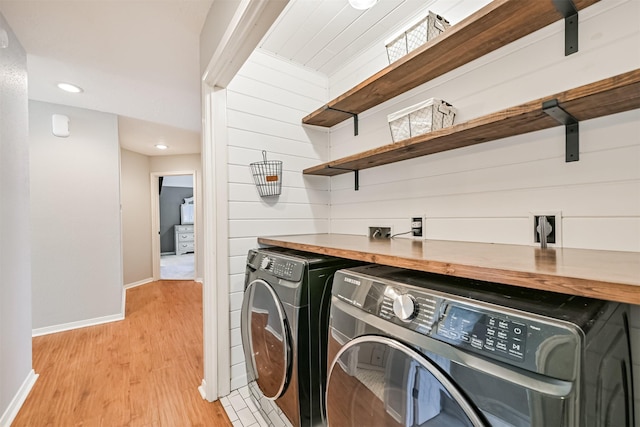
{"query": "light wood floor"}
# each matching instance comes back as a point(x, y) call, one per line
point(141, 371)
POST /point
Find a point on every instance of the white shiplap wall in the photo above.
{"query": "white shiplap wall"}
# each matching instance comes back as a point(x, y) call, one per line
point(486, 192)
point(265, 104)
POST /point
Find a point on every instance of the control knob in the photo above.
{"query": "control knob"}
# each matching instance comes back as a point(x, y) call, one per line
point(266, 263)
point(405, 307)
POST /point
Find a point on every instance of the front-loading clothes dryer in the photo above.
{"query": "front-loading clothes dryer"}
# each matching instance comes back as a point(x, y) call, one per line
point(284, 324)
point(415, 349)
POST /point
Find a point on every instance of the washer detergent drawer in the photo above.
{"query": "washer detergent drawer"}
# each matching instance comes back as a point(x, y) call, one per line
point(373, 375)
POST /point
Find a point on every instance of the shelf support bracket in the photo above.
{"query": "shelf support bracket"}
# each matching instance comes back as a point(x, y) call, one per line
point(356, 176)
point(355, 118)
point(570, 13)
point(572, 131)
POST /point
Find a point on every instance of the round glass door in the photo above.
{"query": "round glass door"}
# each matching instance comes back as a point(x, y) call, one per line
point(266, 339)
point(377, 381)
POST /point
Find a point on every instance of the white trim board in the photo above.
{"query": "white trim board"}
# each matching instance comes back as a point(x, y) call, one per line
point(155, 217)
point(18, 400)
point(138, 283)
point(78, 324)
point(203, 389)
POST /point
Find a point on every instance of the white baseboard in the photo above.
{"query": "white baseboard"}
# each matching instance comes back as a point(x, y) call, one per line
point(123, 304)
point(203, 389)
point(76, 325)
point(199, 280)
point(138, 283)
point(16, 403)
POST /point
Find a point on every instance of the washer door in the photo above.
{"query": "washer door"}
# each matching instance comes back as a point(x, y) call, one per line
point(266, 339)
point(377, 381)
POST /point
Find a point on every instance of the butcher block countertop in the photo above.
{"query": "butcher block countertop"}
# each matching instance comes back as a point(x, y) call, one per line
point(608, 275)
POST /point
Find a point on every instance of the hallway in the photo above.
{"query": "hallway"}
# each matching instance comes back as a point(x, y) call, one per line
point(141, 371)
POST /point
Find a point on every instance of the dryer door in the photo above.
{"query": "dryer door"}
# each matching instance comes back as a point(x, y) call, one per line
point(266, 339)
point(378, 381)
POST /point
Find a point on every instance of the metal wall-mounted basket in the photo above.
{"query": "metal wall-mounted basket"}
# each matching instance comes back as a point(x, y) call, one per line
point(267, 176)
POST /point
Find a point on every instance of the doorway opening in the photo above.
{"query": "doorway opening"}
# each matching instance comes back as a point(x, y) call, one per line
point(175, 227)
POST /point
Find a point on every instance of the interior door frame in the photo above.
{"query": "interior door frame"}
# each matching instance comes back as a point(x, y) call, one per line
point(155, 219)
point(242, 33)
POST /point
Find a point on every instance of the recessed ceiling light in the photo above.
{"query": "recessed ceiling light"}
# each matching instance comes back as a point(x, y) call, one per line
point(68, 87)
point(161, 146)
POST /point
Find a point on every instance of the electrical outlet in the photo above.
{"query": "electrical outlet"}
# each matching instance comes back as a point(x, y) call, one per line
point(379, 233)
point(553, 227)
point(417, 226)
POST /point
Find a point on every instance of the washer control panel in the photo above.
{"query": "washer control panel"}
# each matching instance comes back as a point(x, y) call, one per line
point(405, 307)
point(456, 323)
point(415, 309)
point(486, 332)
point(493, 330)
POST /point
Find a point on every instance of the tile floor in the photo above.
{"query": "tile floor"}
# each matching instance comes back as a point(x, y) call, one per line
point(243, 411)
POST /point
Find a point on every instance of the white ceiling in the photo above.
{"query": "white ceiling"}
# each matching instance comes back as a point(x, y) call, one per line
point(326, 34)
point(139, 58)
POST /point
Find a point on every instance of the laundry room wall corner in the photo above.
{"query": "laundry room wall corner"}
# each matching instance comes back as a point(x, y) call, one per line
point(265, 102)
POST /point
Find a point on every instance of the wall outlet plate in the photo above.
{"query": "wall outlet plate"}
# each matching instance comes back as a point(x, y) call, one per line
point(380, 233)
point(554, 223)
point(418, 226)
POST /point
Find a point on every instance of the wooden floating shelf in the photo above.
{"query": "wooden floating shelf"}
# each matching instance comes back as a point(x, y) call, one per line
point(492, 27)
point(609, 96)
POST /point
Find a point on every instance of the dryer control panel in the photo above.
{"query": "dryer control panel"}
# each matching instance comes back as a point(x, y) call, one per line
point(282, 267)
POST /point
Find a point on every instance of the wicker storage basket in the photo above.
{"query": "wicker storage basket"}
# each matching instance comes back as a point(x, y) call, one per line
point(418, 34)
point(421, 118)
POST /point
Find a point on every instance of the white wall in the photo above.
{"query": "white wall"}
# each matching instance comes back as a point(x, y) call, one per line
point(15, 250)
point(136, 217)
point(75, 219)
point(266, 102)
point(485, 193)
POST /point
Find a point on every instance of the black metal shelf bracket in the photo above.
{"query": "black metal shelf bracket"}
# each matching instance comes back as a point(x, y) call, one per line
point(356, 176)
point(355, 119)
point(570, 13)
point(572, 131)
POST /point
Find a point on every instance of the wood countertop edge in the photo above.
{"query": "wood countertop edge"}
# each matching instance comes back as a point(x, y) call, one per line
point(606, 290)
